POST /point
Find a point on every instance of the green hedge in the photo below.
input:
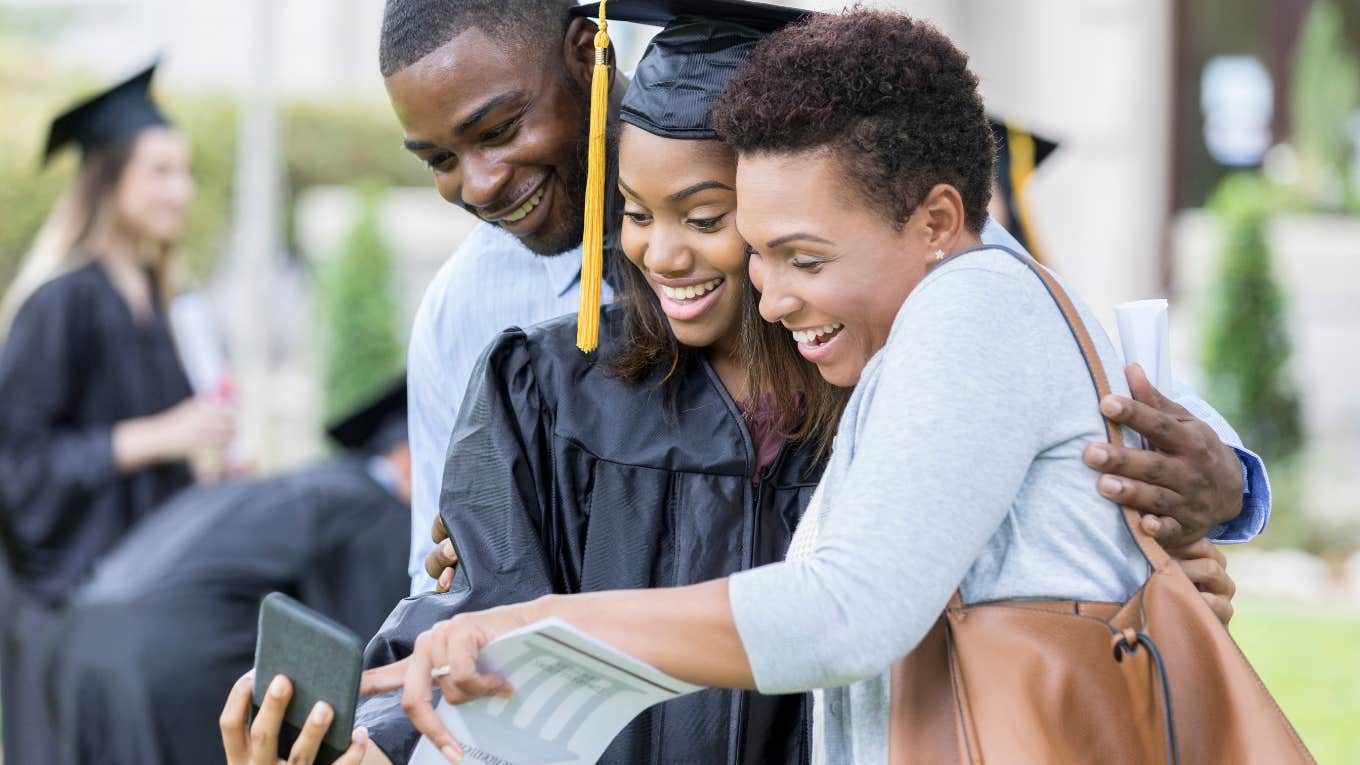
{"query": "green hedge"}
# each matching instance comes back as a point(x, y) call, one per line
point(361, 341)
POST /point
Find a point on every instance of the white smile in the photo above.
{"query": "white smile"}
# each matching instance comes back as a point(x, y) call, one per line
point(811, 336)
point(524, 209)
point(690, 293)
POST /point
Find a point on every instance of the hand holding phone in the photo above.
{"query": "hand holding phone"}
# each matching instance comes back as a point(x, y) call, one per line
point(322, 660)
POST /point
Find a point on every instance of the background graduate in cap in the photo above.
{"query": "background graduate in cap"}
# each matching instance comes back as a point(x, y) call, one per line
point(96, 416)
point(150, 646)
point(1018, 155)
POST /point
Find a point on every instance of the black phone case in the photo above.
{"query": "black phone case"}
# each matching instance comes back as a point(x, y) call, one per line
point(321, 657)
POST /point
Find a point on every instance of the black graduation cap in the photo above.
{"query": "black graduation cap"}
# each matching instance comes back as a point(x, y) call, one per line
point(116, 114)
point(689, 62)
point(377, 425)
point(1018, 153)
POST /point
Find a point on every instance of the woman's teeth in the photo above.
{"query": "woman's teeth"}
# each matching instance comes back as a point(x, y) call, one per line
point(525, 208)
point(690, 293)
point(812, 336)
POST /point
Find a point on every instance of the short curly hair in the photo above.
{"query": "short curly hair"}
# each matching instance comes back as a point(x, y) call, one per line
point(891, 97)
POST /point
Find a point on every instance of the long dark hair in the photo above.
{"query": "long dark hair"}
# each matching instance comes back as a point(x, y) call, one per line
point(806, 407)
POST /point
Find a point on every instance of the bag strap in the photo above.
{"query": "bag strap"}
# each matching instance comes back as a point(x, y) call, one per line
point(1153, 551)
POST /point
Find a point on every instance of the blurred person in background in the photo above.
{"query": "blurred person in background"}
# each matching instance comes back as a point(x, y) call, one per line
point(97, 419)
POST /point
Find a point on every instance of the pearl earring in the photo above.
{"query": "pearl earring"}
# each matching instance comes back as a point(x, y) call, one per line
point(939, 255)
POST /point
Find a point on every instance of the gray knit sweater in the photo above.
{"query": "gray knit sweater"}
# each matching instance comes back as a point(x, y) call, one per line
point(958, 462)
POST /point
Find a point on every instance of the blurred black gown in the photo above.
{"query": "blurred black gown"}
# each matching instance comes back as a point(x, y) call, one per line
point(142, 658)
point(74, 363)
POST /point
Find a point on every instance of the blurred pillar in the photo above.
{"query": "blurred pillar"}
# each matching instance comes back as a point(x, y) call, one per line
point(256, 242)
point(349, 34)
point(1282, 36)
point(1095, 76)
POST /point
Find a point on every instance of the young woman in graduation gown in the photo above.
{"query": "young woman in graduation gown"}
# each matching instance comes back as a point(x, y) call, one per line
point(643, 466)
point(96, 414)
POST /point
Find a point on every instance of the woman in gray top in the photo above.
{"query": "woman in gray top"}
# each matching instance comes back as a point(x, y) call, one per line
point(865, 161)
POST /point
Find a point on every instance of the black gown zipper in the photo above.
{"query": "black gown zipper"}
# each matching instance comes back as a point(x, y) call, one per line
point(736, 732)
point(741, 699)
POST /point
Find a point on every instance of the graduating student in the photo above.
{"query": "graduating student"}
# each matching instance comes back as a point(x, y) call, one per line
point(96, 414)
point(152, 643)
point(1018, 154)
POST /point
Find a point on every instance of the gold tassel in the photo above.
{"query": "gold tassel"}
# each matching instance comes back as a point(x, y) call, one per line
point(592, 244)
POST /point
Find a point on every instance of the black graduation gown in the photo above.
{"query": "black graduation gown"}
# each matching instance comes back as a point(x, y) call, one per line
point(561, 478)
point(76, 362)
point(149, 648)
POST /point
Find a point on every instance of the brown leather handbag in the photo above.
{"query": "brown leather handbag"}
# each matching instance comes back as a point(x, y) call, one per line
point(1154, 679)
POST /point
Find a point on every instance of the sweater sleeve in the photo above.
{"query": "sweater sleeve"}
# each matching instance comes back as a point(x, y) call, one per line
point(945, 430)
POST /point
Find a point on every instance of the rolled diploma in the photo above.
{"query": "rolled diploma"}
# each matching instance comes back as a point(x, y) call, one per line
point(194, 330)
point(1145, 336)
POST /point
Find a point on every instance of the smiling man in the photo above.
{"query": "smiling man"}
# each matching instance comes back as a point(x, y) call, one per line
point(492, 97)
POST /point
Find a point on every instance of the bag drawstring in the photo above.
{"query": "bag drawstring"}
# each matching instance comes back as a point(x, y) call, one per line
point(1126, 642)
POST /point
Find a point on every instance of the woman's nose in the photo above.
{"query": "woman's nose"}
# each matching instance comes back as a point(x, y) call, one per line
point(667, 252)
point(776, 300)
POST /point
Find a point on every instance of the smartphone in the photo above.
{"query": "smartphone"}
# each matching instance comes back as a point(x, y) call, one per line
point(321, 657)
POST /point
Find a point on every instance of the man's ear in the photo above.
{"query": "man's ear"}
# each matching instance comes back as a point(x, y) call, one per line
point(578, 51)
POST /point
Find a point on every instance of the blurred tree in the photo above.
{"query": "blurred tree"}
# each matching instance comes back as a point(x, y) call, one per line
point(360, 340)
point(1324, 98)
point(1246, 342)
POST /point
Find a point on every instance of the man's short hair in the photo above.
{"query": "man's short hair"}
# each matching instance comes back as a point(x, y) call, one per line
point(412, 29)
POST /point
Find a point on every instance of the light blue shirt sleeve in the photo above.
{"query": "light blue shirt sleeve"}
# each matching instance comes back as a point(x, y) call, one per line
point(1255, 483)
point(430, 420)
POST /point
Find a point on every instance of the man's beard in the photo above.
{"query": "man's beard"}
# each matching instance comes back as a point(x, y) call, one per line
point(571, 227)
point(566, 233)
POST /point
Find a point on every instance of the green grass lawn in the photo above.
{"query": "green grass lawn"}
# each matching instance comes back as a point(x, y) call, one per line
point(1309, 658)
